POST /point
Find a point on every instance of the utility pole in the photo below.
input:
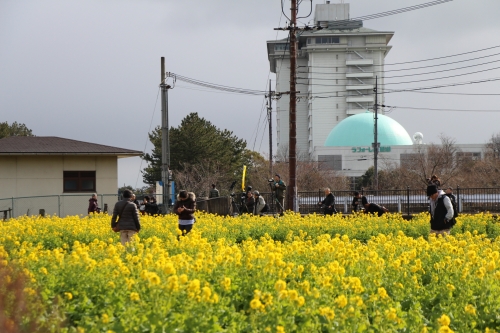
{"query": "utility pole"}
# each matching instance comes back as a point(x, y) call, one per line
point(165, 143)
point(292, 154)
point(375, 144)
point(270, 119)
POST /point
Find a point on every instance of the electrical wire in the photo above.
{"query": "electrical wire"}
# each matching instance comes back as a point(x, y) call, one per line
point(433, 72)
point(434, 109)
point(145, 145)
point(430, 59)
point(399, 11)
point(216, 86)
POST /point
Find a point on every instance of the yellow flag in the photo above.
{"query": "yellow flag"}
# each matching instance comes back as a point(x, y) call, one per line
point(243, 178)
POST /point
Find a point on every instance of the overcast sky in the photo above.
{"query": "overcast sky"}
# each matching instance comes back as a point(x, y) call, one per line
point(89, 70)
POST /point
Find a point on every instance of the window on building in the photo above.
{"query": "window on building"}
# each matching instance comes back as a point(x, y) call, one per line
point(468, 156)
point(79, 181)
point(337, 56)
point(327, 40)
point(330, 162)
point(281, 47)
point(337, 106)
point(337, 81)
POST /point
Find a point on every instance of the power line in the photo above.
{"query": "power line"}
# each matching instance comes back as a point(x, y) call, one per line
point(145, 145)
point(393, 12)
point(430, 59)
point(415, 74)
point(216, 86)
point(434, 109)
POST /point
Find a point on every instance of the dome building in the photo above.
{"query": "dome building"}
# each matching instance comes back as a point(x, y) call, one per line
point(358, 130)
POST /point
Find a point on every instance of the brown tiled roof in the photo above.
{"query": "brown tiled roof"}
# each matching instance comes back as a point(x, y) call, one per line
point(52, 145)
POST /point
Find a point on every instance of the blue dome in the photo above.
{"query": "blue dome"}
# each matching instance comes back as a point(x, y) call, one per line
point(358, 130)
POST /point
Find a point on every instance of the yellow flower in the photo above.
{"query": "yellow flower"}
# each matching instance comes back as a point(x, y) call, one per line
point(134, 296)
point(424, 330)
point(183, 278)
point(293, 295)
point(470, 309)
point(341, 301)
point(392, 314)
point(444, 320)
point(327, 312)
point(172, 282)
point(301, 301)
point(280, 285)
point(445, 329)
point(154, 279)
point(382, 293)
point(69, 296)
point(280, 329)
point(105, 318)
point(206, 292)
point(43, 270)
point(450, 287)
point(255, 304)
point(226, 283)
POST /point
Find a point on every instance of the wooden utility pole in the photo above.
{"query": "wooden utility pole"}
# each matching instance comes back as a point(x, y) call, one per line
point(270, 120)
point(292, 154)
point(165, 144)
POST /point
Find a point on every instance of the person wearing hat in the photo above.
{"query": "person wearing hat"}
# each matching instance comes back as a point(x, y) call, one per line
point(441, 211)
point(279, 188)
point(260, 204)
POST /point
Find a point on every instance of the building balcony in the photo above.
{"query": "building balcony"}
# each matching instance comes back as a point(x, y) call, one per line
point(359, 75)
point(360, 87)
point(359, 62)
point(359, 99)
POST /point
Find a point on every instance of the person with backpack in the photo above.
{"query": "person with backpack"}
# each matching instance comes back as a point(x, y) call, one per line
point(441, 211)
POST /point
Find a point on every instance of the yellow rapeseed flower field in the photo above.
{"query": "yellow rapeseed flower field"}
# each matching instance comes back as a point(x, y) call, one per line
point(250, 274)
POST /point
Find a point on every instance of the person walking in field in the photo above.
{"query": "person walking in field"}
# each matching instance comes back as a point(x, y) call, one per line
point(441, 210)
point(126, 218)
point(184, 207)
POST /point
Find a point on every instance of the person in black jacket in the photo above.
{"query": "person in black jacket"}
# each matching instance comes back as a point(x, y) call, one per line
point(328, 204)
point(441, 211)
point(358, 202)
point(127, 215)
point(185, 207)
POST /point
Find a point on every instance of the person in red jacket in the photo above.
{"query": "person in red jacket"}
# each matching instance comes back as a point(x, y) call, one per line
point(185, 206)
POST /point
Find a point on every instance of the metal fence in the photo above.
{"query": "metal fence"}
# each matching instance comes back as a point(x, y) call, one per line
point(60, 205)
point(406, 201)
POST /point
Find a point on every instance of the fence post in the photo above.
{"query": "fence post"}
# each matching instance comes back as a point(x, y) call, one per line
point(12, 206)
point(458, 198)
point(345, 205)
point(59, 205)
point(408, 198)
point(399, 204)
point(362, 191)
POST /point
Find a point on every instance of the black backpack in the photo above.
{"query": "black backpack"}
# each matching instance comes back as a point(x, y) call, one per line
point(454, 205)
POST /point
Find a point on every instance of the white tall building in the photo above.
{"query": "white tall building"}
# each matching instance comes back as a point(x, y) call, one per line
point(336, 74)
